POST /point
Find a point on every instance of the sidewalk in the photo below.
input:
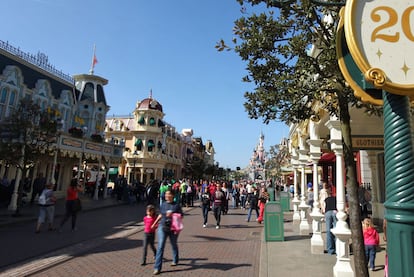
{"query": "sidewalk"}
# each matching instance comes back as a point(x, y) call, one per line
point(293, 257)
point(31, 212)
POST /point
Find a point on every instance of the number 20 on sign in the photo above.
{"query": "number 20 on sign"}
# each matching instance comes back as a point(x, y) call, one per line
point(380, 37)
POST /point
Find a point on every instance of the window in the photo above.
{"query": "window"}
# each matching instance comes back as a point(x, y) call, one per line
point(88, 92)
point(3, 100)
point(100, 94)
point(150, 145)
point(141, 121)
point(138, 144)
point(152, 121)
point(117, 125)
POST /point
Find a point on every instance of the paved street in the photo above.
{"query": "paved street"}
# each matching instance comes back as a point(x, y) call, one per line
point(109, 243)
point(233, 250)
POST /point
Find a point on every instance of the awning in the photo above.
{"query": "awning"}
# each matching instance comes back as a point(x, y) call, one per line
point(138, 142)
point(328, 158)
point(152, 121)
point(141, 120)
point(151, 143)
point(113, 170)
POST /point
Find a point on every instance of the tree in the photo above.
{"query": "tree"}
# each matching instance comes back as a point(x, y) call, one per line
point(27, 134)
point(278, 156)
point(290, 52)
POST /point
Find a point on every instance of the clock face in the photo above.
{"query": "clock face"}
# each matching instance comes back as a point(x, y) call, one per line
point(380, 36)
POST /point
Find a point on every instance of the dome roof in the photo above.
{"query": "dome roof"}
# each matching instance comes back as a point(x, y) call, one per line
point(150, 104)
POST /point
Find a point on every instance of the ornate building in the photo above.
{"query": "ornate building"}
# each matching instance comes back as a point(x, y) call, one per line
point(78, 104)
point(153, 148)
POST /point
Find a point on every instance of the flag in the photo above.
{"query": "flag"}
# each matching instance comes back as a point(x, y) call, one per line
point(94, 60)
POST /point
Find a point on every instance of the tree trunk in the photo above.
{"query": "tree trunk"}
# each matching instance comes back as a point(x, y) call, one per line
point(360, 263)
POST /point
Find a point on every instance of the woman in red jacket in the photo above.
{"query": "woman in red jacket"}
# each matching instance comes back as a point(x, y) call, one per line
point(72, 203)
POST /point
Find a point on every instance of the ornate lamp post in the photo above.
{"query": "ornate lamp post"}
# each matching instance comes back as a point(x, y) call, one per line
point(388, 69)
point(135, 154)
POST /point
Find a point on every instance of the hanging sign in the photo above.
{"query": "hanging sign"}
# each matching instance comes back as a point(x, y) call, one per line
point(380, 37)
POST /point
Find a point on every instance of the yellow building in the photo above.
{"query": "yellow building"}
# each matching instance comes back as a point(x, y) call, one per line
point(153, 148)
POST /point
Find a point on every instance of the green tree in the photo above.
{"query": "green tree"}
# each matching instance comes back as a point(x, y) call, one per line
point(27, 134)
point(278, 156)
point(290, 51)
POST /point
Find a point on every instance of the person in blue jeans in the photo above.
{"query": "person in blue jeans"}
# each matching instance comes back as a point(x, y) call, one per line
point(330, 221)
point(163, 220)
point(253, 199)
point(219, 200)
point(205, 206)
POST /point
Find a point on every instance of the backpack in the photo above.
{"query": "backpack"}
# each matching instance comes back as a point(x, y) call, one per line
point(42, 198)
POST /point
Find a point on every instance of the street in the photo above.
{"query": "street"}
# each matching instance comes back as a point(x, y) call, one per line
point(20, 243)
point(109, 243)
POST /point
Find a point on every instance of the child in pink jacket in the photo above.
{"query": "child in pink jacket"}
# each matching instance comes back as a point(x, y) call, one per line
point(371, 240)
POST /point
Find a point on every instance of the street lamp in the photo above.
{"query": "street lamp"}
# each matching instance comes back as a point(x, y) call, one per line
point(135, 154)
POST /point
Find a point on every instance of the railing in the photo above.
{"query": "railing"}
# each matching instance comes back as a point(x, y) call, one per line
point(40, 60)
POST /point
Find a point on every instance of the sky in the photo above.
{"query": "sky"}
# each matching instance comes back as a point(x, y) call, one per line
point(163, 46)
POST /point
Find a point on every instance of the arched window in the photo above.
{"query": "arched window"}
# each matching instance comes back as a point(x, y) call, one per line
point(152, 121)
point(138, 144)
point(88, 92)
point(3, 100)
point(141, 120)
point(151, 145)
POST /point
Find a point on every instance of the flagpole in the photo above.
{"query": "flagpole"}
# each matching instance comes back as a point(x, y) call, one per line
point(94, 61)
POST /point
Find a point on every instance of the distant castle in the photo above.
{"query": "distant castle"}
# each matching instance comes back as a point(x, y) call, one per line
point(257, 161)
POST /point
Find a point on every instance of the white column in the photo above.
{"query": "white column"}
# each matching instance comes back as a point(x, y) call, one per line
point(303, 207)
point(15, 195)
point(317, 243)
point(296, 201)
point(342, 232)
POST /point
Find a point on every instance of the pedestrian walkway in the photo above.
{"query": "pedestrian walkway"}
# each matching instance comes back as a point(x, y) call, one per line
point(31, 212)
point(238, 248)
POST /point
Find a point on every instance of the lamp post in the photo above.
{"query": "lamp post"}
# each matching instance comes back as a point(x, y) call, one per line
point(133, 169)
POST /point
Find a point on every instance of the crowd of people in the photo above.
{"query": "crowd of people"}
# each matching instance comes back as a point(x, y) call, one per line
point(165, 200)
point(214, 196)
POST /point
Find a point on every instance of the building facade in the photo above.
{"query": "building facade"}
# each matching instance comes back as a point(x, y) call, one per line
point(154, 150)
point(79, 106)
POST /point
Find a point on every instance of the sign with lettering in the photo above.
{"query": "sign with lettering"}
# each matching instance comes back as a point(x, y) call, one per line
point(368, 142)
point(380, 37)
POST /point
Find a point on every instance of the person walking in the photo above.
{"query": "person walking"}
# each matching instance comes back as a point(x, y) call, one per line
point(38, 187)
point(263, 198)
point(71, 206)
point(205, 206)
point(252, 198)
point(330, 220)
point(164, 220)
point(46, 203)
point(149, 233)
point(219, 200)
point(243, 197)
point(371, 241)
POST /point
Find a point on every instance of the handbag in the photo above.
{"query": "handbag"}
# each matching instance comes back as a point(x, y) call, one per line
point(77, 205)
point(176, 223)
